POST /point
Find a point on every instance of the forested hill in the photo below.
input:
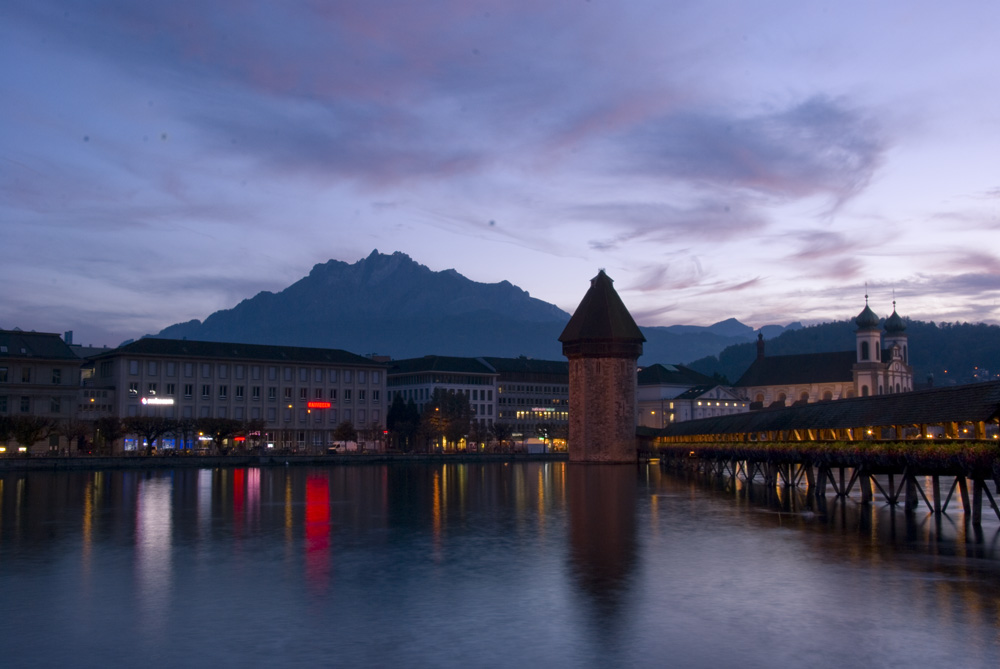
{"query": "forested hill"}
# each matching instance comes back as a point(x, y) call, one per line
point(952, 352)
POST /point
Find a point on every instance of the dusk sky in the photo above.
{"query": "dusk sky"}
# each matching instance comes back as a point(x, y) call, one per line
point(759, 160)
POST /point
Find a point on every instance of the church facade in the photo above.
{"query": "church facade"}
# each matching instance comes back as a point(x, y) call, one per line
point(878, 365)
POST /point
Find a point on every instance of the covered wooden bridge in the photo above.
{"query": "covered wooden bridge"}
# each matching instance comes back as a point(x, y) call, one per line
point(957, 412)
point(885, 443)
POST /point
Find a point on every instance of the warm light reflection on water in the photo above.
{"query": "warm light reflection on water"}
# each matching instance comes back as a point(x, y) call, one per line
point(153, 550)
point(481, 565)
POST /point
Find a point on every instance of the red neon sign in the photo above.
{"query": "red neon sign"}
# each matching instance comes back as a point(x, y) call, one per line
point(319, 405)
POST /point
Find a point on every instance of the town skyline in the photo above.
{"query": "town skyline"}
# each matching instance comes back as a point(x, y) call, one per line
point(770, 163)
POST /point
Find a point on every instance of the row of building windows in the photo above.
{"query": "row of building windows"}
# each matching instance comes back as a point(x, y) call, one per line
point(26, 375)
point(424, 394)
point(288, 415)
point(26, 403)
point(239, 392)
point(538, 390)
point(431, 378)
point(282, 438)
point(223, 370)
point(522, 401)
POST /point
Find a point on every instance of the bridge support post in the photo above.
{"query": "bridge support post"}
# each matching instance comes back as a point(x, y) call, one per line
point(911, 501)
point(823, 475)
point(864, 480)
point(977, 502)
point(936, 483)
point(963, 489)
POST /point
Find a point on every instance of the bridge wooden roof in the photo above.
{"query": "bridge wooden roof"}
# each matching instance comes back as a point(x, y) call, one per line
point(969, 403)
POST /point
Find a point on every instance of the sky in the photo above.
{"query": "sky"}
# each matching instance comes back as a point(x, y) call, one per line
point(765, 161)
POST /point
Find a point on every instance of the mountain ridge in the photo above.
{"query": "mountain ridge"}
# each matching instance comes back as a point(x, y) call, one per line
point(391, 304)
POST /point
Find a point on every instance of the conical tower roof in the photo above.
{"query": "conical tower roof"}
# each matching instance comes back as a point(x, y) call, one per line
point(602, 326)
point(867, 319)
point(894, 324)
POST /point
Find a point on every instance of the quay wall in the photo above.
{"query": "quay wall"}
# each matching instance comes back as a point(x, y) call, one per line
point(70, 463)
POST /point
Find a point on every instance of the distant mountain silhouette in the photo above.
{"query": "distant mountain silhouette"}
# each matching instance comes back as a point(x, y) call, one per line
point(392, 305)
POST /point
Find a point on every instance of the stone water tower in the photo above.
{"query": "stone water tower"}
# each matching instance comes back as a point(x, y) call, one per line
point(603, 344)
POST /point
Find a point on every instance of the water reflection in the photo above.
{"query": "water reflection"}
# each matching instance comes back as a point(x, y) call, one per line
point(602, 501)
point(485, 565)
point(154, 549)
point(317, 531)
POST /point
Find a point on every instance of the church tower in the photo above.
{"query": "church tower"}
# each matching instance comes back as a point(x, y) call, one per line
point(603, 345)
point(867, 369)
point(899, 373)
point(895, 334)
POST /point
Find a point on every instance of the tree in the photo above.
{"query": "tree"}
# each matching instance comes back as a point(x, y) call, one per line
point(77, 430)
point(447, 415)
point(345, 432)
point(148, 428)
point(220, 430)
point(501, 432)
point(402, 421)
point(107, 431)
point(478, 434)
point(6, 429)
point(185, 430)
point(29, 430)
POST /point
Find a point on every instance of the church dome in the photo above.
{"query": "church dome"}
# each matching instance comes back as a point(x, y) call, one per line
point(894, 324)
point(867, 320)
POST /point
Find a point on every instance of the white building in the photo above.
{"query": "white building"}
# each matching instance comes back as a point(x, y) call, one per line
point(674, 393)
point(301, 394)
point(39, 376)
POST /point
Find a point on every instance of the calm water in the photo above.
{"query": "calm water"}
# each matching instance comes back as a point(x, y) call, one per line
point(524, 565)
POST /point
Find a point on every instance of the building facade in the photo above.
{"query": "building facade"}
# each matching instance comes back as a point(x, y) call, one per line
point(300, 394)
point(39, 377)
point(673, 393)
point(533, 398)
point(417, 378)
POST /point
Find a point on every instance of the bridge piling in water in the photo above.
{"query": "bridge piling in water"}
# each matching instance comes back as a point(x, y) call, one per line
point(784, 475)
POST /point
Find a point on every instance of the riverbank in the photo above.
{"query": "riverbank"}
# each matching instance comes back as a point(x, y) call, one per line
point(78, 463)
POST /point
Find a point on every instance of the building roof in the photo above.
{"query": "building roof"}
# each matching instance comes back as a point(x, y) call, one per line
point(786, 370)
point(601, 316)
point(44, 345)
point(209, 349)
point(973, 403)
point(672, 375)
point(894, 324)
point(440, 363)
point(698, 391)
point(528, 366)
point(867, 319)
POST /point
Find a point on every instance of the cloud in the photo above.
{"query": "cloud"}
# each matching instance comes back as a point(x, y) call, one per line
point(702, 220)
point(819, 146)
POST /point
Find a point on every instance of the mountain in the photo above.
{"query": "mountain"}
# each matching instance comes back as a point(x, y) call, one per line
point(392, 305)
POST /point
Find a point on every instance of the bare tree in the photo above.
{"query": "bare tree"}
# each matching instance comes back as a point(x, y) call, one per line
point(29, 430)
point(107, 431)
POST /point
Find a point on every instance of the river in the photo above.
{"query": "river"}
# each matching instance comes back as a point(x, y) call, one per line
point(489, 565)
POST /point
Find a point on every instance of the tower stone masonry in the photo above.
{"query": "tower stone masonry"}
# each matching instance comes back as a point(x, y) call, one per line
point(603, 345)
